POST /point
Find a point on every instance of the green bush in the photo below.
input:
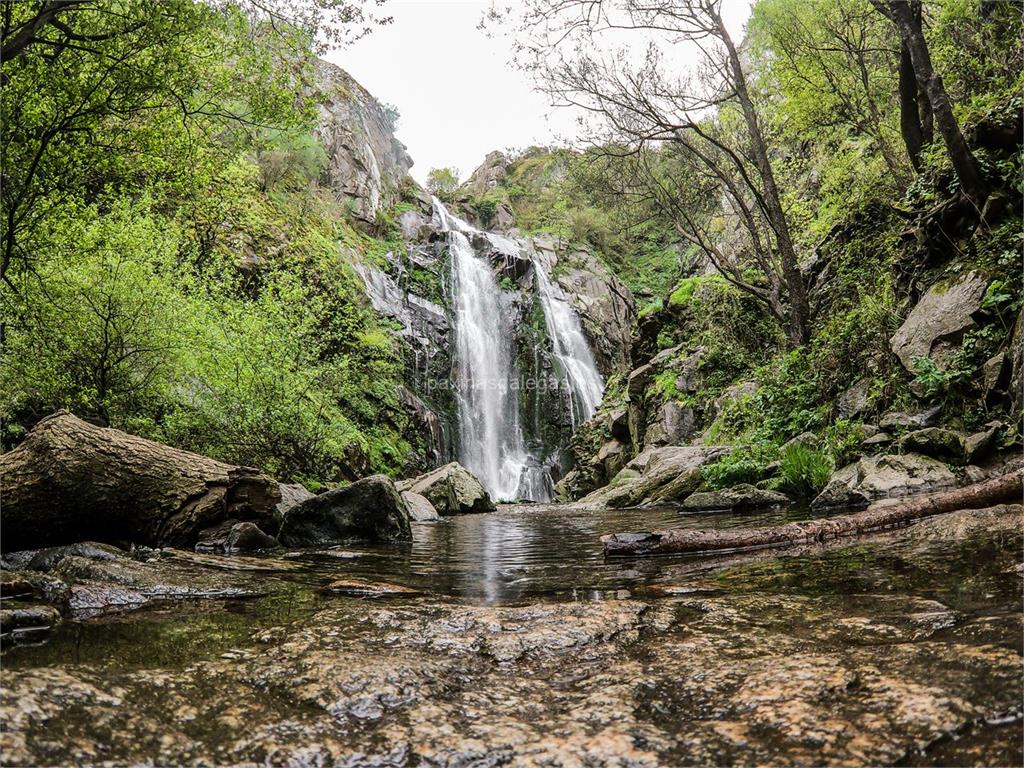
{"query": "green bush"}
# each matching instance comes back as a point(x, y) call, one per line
point(804, 470)
point(745, 464)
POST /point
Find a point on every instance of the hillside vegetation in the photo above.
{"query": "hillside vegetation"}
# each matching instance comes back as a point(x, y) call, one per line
point(875, 220)
point(172, 265)
point(176, 263)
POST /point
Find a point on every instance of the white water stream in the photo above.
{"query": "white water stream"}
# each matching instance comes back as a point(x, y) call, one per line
point(491, 440)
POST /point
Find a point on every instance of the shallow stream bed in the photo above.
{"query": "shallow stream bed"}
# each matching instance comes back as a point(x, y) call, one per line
point(522, 645)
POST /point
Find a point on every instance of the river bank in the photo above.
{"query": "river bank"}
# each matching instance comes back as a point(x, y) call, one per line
point(522, 645)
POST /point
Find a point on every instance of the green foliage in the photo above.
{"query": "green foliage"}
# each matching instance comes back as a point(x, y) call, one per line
point(745, 464)
point(804, 470)
point(932, 379)
point(843, 440)
point(683, 292)
point(486, 209)
point(443, 182)
point(176, 271)
point(289, 160)
point(97, 333)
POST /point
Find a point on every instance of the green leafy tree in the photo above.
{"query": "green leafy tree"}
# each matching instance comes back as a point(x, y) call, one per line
point(443, 182)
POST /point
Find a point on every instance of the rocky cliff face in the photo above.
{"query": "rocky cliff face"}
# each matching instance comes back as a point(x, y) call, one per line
point(367, 165)
point(414, 289)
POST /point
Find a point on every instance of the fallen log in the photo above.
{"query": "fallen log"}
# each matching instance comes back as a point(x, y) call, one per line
point(71, 481)
point(1006, 488)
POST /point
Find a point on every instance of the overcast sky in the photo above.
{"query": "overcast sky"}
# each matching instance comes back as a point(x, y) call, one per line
point(457, 94)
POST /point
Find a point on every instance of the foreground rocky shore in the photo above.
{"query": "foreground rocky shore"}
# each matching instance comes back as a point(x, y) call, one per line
point(228, 619)
point(898, 648)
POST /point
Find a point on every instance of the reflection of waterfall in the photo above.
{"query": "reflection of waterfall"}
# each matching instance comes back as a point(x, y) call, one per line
point(492, 443)
point(570, 349)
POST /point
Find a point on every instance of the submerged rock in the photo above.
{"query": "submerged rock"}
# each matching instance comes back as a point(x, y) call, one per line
point(847, 654)
point(26, 622)
point(738, 497)
point(91, 578)
point(451, 489)
point(371, 509)
point(232, 537)
point(362, 588)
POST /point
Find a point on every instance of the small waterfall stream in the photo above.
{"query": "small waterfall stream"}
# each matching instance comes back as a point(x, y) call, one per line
point(586, 386)
point(491, 438)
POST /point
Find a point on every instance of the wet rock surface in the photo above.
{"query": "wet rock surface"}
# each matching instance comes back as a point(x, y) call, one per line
point(371, 508)
point(451, 490)
point(873, 652)
point(738, 497)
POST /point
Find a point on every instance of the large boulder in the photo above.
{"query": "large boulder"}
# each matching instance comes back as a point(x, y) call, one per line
point(232, 537)
point(292, 494)
point(979, 445)
point(70, 481)
point(370, 509)
point(420, 508)
point(939, 443)
point(939, 320)
point(896, 421)
point(452, 490)
point(656, 475)
point(877, 477)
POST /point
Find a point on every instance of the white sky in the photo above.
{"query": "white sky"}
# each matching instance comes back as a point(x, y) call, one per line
point(457, 94)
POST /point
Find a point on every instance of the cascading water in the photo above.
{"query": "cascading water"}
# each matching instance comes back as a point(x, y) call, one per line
point(586, 386)
point(491, 439)
point(491, 443)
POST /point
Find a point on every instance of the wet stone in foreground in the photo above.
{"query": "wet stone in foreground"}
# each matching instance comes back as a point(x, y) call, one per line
point(902, 648)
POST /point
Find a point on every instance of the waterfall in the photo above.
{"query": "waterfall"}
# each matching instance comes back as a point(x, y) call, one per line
point(491, 438)
point(570, 348)
point(491, 443)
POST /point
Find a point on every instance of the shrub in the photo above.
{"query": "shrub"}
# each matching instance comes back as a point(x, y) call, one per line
point(443, 182)
point(743, 465)
point(804, 470)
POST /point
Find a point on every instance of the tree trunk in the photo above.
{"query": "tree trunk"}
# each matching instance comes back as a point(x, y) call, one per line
point(971, 179)
point(910, 111)
point(1004, 489)
point(799, 308)
point(72, 481)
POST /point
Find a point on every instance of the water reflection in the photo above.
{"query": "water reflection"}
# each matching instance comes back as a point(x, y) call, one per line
point(525, 554)
point(528, 551)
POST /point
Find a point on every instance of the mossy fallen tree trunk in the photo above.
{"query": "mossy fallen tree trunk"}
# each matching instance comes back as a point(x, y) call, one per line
point(1003, 489)
point(71, 481)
